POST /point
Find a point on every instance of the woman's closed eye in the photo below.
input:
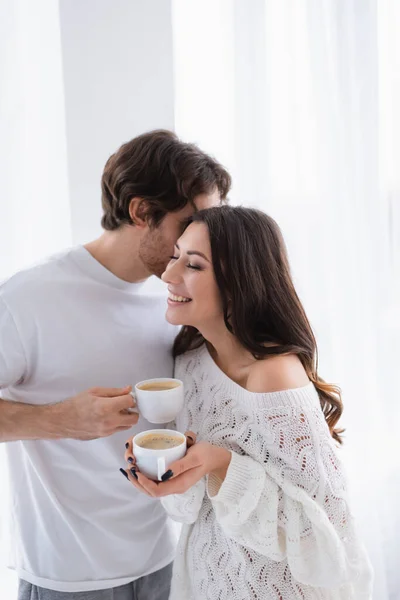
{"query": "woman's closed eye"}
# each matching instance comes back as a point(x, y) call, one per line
point(189, 265)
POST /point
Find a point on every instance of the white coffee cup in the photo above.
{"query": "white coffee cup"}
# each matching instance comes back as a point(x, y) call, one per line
point(153, 463)
point(159, 400)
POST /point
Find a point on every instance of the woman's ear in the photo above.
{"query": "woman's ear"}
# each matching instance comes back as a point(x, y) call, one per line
point(137, 212)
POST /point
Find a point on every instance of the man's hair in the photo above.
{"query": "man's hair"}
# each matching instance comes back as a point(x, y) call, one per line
point(164, 172)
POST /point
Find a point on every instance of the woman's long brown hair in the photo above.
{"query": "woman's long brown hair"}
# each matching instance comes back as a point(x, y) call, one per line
point(260, 304)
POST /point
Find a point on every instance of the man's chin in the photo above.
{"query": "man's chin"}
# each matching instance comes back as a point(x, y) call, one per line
point(152, 265)
point(158, 270)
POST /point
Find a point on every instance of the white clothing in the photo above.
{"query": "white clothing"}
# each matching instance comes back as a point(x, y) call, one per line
point(65, 326)
point(279, 526)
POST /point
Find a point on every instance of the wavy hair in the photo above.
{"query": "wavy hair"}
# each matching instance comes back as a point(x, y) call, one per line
point(260, 304)
point(164, 172)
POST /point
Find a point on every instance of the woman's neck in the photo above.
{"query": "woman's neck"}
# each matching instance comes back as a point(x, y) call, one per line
point(226, 350)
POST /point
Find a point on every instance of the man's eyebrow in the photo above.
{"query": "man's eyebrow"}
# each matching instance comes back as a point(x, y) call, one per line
point(194, 253)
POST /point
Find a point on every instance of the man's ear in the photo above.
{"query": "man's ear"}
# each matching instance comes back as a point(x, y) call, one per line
point(137, 212)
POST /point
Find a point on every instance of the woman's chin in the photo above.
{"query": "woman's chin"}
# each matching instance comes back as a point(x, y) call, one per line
point(174, 319)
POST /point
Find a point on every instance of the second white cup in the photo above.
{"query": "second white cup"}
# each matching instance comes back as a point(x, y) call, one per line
point(159, 400)
point(161, 447)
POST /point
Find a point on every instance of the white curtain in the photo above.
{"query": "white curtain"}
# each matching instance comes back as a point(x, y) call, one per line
point(301, 98)
point(35, 217)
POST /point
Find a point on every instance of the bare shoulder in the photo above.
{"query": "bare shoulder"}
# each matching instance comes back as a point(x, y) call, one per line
point(276, 374)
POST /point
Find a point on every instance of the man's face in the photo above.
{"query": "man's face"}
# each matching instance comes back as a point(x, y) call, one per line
point(157, 245)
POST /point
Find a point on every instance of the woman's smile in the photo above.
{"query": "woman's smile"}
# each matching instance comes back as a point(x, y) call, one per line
point(177, 299)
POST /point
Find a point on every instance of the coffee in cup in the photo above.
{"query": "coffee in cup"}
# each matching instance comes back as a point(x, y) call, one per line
point(157, 386)
point(159, 441)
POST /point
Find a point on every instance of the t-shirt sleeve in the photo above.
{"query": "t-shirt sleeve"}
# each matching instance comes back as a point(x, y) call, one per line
point(12, 356)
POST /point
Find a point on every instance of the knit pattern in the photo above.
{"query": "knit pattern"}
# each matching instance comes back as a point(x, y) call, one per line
point(279, 526)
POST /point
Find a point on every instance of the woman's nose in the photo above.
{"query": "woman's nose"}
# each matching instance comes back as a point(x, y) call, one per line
point(172, 274)
point(164, 276)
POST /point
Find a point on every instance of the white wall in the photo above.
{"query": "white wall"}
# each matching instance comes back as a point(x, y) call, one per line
point(118, 78)
point(33, 150)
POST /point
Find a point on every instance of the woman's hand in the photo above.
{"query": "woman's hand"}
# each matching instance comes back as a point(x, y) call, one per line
point(200, 459)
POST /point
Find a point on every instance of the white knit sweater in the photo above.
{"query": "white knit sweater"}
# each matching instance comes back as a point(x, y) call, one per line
point(279, 526)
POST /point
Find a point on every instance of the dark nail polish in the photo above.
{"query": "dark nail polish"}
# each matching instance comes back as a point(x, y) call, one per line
point(124, 473)
point(167, 475)
point(133, 472)
point(130, 459)
point(127, 445)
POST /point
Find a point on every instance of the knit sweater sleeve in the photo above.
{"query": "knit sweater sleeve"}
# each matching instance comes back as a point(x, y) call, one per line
point(284, 495)
point(185, 508)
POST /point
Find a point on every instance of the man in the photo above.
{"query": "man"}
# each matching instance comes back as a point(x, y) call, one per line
point(82, 319)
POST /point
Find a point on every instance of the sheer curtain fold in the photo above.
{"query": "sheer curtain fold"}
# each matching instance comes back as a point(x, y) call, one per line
point(34, 201)
point(34, 204)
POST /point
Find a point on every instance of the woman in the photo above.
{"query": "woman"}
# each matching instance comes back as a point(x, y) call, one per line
point(262, 493)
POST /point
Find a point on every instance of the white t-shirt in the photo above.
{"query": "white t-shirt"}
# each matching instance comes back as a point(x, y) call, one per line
point(65, 326)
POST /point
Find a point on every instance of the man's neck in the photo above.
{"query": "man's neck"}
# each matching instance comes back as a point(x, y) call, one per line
point(118, 251)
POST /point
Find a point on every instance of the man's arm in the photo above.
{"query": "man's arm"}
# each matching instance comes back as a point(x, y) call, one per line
point(95, 413)
point(27, 422)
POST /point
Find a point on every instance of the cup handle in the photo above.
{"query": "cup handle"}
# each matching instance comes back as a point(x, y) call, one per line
point(161, 468)
point(134, 409)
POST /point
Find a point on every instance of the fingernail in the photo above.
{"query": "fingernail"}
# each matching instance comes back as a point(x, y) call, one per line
point(127, 445)
point(167, 475)
point(190, 437)
point(130, 459)
point(124, 473)
point(133, 472)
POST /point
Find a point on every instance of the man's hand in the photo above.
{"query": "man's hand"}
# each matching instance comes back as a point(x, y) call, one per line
point(95, 413)
point(200, 459)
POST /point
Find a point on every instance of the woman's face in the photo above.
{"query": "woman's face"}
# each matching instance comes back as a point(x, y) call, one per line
point(194, 297)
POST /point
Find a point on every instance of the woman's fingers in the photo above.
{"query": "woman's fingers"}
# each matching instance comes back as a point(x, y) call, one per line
point(129, 451)
point(150, 487)
point(178, 485)
point(130, 474)
point(178, 467)
point(190, 438)
point(130, 459)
